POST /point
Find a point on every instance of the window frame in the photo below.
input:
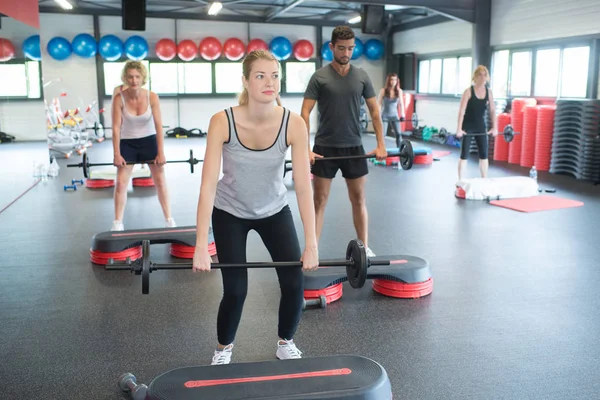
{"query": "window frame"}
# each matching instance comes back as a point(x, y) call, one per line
point(442, 56)
point(40, 81)
point(213, 94)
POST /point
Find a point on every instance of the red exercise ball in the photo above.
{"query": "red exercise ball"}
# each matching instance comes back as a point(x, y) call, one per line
point(303, 50)
point(210, 48)
point(187, 50)
point(257, 44)
point(166, 49)
point(234, 49)
point(7, 50)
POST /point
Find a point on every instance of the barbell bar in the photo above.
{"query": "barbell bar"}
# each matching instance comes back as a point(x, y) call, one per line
point(356, 263)
point(86, 164)
point(508, 133)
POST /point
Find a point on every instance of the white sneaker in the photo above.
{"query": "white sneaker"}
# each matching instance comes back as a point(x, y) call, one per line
point(286, 350)
point(370, 253)
point(222, 357)
point(170, 223)
point(117, 226)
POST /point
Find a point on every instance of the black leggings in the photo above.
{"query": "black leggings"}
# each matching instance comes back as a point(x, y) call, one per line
point(482, 145)
point(278, 233)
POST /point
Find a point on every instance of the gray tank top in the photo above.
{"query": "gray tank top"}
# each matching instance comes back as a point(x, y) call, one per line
point(252, 183)
point(390, 108)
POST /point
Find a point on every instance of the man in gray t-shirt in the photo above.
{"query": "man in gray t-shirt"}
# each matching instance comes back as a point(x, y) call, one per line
point(337, 88)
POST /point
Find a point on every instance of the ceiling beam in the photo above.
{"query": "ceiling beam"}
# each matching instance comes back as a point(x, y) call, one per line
point(420, 23)
point(284, 9)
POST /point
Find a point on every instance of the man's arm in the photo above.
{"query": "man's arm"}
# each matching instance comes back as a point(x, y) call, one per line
point(307, 107)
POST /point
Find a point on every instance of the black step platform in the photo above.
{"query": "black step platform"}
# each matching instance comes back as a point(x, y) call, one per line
point(334, 377)
point(112, 242)
point(409, 269)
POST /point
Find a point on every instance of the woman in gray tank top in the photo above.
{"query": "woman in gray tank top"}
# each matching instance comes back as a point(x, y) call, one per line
point(252, 140)
point(392, 105)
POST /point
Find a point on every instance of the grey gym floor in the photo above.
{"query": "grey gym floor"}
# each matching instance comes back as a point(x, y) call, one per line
point(514, 314)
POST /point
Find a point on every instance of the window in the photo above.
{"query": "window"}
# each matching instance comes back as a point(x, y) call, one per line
point(195, 78)
point(424, 76)
point(547, 67)
point(435, 76)
point(500, 73)
point(228, 77)
point(465, 65)
point(574, 76)
point(20, 80)
point(449, 80)
point(520, 77)
point(112, 75)
point(163, 78)
point(297, 75)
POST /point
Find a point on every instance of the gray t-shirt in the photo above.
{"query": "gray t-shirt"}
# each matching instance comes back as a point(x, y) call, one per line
point(338, 102)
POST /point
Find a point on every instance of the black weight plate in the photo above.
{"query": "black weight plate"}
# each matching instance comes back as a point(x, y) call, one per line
point(357, 268)
point(146, 267)
point(407, 155)
point(85, 164)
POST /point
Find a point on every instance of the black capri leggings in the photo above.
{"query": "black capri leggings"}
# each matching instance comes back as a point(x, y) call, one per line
point(482, 145)
point(278, 233)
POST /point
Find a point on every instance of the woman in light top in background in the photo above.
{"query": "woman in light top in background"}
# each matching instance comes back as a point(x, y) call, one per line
point(391, 103)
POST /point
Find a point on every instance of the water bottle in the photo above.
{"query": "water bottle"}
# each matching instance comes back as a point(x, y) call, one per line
point(533, 173)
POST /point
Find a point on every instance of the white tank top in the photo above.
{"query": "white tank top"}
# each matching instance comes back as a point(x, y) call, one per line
point(136, 126)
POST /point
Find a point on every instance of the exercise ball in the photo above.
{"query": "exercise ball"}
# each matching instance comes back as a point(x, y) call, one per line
point(7, 50)
point(59, 48)
point(234, 49)
point(187, 50)
point(359, 48)
point(257, 44)
point(166, 49)
point(374, 49)
point(303, 50)
point(84, 45)
point(326, 52)
point(31, 48)
point(281, 48)
point(210, 48)
point(110, 47)
point(136, 48)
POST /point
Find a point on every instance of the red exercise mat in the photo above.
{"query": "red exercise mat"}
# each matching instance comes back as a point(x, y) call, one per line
point(529, 135)
point(143, 182)
point(460, 193)
point(501, 145)
point(99, 183)
point(332, 293)
point(545, 132)
point(516, 117)
point(536, 203)
point(101, 258)
point(441, 153)
point(425, 159)
point(185, 251)
point(403, 290)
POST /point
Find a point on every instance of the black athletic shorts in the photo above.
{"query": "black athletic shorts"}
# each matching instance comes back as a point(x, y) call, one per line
point(351, 169)
point(139, 150)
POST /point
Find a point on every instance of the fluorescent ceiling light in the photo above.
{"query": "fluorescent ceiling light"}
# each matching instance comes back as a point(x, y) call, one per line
point(354, 20)
point(215, 7)
point(64, 4)
point(394, 8)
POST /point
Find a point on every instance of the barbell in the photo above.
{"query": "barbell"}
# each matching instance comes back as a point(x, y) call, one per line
point(405, 153)
point(508, 132)
point(415, 120)
point(356, 263)
point(86, 164)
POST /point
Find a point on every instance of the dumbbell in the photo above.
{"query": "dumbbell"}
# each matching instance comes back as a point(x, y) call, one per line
point(321, 301)
point(66, 187)
point(74, 181)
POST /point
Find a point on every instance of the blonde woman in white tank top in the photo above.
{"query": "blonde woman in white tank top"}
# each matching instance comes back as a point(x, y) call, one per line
point(137, 137)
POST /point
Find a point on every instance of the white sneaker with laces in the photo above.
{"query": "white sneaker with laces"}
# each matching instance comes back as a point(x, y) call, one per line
point(370, 253)
point(170, 223)
point(117, 226)
point(286, 350)
point(222, 357)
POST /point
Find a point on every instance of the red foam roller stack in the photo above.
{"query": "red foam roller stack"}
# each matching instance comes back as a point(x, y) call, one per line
point(514, 148)
point(543, 143)
point(501, 145)
point(529, 134)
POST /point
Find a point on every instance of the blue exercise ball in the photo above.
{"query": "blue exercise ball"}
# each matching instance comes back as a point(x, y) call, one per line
point(110, 47)
point(281, 48)
point(326, 52)
point(136, 48)
point(359, 48)
point(59, 48)
point(31, 48)
point(84, 45)
point(374, 49)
